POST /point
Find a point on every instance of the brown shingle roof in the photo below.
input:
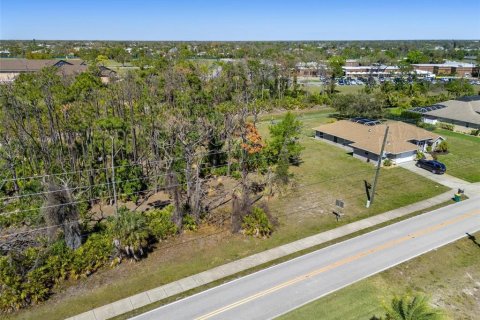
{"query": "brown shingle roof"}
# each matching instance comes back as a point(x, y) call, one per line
point(465, 109)
point(33, 65)
point(24, 65)
point(370, 138)
point(68, 69)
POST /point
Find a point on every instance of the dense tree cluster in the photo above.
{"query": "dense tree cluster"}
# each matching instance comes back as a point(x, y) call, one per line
point(137, 52)
point(71, 143)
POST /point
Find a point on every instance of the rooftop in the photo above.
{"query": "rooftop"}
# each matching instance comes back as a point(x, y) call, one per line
point(370, 138)
point(25, 65)
point(371, 67)
point(447, 64)
point(466, 109)
point(65, 66)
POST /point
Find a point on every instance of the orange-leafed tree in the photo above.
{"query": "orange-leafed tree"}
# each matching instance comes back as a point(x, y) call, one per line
point(253, 140)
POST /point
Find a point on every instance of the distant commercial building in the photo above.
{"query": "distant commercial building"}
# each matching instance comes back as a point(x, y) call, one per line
point(10, 68)
point(366, 71)
point(310, 69)
point(448, 68)
point(462, 113)
point(351, 63)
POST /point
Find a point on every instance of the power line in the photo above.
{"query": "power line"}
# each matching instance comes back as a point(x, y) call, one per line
point(94, 185)
point(99, 198)
point(287, 214)
point(144, 191)
point(156, 189)
point(104, 169)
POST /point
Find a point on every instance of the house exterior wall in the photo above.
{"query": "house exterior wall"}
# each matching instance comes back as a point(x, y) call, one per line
point(429, 120)
point(365, 155)
point(338, 142)
point(370, 157)
point(457, 125)
point(403, 157)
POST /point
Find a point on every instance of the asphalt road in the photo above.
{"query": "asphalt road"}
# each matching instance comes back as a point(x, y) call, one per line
point(279, 289)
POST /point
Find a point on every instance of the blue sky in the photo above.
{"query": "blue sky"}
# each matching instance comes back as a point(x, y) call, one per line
point(239, 20)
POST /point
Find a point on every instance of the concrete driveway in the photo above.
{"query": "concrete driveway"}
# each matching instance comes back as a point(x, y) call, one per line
point(471, 189)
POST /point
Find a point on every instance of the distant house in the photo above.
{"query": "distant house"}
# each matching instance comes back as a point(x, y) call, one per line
point(462, 113)
point(364, 137)
point(10, 68)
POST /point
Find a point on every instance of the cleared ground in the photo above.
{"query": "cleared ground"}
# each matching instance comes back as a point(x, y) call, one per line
point(449, 275)
point(463, 158)
point(327, 173)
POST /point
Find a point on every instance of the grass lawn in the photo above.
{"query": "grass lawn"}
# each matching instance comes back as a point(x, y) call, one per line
point(327, 173)
point(453, 285)
point(462, 149)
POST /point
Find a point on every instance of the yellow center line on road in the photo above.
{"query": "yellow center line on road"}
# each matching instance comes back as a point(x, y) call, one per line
point(341, 262)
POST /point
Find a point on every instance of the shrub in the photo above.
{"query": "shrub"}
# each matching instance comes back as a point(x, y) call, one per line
point(419, 155)
point(442, 147)
point(446, 126)
point(95, 253)
point(257, 224)
point(189, 223)
point(475, 132)
point(160, 222)
point(220, 171)
point(319, 99)
point(28, 277)
point(426, 126)
point(236, 175)
point(129, 231)
point(21, 282)
point(406, 114)
point(387, 162)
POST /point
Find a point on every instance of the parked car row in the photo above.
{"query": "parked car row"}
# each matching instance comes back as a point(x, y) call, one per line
point(361, 81)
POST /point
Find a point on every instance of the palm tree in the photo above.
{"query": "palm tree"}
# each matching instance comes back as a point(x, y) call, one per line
point(129, 229)
point(412, 308)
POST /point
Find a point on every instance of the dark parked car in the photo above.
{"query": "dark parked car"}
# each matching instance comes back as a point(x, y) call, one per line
point(432, 165)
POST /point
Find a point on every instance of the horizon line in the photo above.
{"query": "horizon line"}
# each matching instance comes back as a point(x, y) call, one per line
point(246, 40)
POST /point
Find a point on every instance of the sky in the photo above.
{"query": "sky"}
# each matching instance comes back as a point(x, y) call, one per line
point(239, 20)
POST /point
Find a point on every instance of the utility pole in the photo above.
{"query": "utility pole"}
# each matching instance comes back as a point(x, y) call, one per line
point(113, 179)
point(379, 164)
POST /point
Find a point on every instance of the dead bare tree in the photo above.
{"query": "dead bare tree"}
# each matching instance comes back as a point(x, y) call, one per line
point(60, 212)
point(192, 135)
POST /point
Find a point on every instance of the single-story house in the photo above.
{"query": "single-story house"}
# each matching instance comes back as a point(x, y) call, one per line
point(10, 68)
point(364, 138)
point(462, 113)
